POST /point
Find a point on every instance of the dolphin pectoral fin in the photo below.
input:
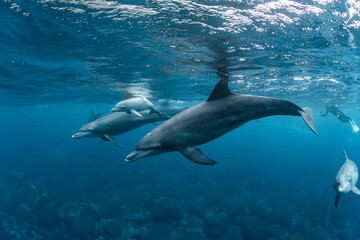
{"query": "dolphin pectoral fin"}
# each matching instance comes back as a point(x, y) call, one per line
point(109, 138)
point(195, 155)
point(155, 111)
point(135, 113)
point(355, 190)
point(337, 198)
point(104, 138)
point(306, 114)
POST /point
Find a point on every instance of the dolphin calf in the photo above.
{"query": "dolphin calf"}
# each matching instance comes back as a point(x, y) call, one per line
point(223, 112)
point(133, 105)
point(346, 179)
point(119, 122)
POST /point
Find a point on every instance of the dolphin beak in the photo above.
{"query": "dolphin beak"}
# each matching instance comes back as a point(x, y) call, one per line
point(76, 135)
point(114, 109)
point(136, 155)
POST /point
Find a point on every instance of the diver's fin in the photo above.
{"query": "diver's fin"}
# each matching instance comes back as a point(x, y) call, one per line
point(355, 190)
point(195, 155)
point(133, 111)
point(337, 198)
point(155, 111)
point(111, 139)
point(354, 126)
point(306, 114)
point(221, 90)
point(346, 157)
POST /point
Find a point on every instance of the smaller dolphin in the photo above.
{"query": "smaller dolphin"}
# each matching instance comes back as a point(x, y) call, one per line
point(115, 124)
point(346, 179)
point(133, 105)
point(93, 116)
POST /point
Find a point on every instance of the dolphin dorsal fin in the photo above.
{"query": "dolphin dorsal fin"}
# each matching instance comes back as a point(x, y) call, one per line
point(221, 90)
point(346, 157)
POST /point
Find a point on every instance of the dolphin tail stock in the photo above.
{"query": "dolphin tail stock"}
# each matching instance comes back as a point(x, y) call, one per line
point(337, 198)
point(306, 114)
point(354, 126)
point(111, 139)
point(355, 190)
point(195, 155)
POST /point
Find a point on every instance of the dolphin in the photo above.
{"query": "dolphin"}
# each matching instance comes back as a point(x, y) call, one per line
point(93, 116)
point(223, 112)
point(114, 124)
point(36, 189)
point(133, 105)
point(346, 179)
point(119, 122)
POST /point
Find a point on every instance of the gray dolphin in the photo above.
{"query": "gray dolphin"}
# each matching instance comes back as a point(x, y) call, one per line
point(222, 112)
point(346, 179)
point(120, 122)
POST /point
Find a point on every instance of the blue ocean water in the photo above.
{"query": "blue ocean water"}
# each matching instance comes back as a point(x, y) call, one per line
point(274, 177)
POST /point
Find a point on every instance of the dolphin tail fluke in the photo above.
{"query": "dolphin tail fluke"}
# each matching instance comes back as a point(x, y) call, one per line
point(337, 198)
point(195, 155)
point(355, 190)
point(354, 126)
point(306, 114)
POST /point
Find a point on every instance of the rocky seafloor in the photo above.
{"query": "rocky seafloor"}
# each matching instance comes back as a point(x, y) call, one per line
point(97, 196)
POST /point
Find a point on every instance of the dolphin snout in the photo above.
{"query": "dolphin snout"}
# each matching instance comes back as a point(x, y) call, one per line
point(76, 135)
point(136, 155)
point(114, 109)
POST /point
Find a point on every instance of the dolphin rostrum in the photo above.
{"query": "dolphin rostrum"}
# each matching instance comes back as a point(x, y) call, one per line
point(222, 112)
point(346, 179)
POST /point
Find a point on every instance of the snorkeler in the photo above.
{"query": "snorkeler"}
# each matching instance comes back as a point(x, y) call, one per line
point(340, 115)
